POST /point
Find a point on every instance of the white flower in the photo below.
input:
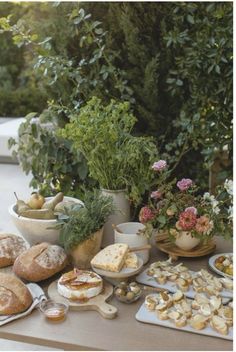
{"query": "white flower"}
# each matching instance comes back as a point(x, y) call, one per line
point(230, 212)
point(216, 210)
point(206, 196)
point(228, 185)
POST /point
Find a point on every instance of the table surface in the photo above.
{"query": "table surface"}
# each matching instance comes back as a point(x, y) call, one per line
point(87, 330)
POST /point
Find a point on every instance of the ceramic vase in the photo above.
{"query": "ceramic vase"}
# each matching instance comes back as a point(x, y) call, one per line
point(121, 214)
point(186, 241)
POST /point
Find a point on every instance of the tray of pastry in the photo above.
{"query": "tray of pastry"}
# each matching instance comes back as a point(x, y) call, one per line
point(201, 316)
point(162, 274)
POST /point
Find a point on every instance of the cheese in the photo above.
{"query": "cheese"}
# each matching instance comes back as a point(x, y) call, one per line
point(85, 285)
point(131, 261)
point(111, 258)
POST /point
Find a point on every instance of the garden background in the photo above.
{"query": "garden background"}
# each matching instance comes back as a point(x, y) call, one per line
point(171, 61)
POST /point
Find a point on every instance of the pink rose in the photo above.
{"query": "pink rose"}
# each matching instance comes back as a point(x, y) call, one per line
point(156, 194)
point(184, 184)
point(187, 220)
point(159, 165)
point(204, 225)
point(146, 214)
point(192, 209)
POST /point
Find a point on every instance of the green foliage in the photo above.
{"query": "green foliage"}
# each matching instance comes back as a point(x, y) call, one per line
point(116, 159)
point(53, 164)
point(78, 225)
point(171, 61)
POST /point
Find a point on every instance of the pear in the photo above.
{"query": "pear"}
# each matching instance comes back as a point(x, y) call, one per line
point(20, 205)
point(36, 201)
point(50, 204)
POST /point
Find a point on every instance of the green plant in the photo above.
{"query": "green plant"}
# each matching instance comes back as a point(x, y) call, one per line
point(78, 224)
point(115, 158)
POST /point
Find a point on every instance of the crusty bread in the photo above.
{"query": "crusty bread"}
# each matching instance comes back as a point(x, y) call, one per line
point(14, 295)
point(40, 262)
point(131, 261)
point(10, 247)
point(111, 258)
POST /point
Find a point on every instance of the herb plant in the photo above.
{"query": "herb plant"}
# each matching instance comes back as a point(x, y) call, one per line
point(116, 159)
point(78, 223)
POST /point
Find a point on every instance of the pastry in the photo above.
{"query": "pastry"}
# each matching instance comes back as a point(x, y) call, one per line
point(14, 295)
point(40, 262)
point(10, 247)
point(131, 261)
point(219, 324)
point(79, 284)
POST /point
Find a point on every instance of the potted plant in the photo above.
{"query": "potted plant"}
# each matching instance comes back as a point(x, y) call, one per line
point(177, 209)
point(81, 227)
point(118, 160)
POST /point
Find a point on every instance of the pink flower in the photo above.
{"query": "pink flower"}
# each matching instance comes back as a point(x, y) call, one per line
point(192, 209)
point(184, 184)
point(159, 165)
point(146, 214)
point(204, 225)
point(156, 194)
point(187, 220)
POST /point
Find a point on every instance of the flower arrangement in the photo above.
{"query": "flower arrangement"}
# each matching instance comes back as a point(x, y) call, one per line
point(178, 206)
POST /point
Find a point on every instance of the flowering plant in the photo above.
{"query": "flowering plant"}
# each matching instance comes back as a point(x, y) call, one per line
point(178, 206)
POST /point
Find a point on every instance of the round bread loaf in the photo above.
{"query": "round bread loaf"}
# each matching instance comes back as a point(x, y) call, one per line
point(40, 262)
point(10, 247)
point(14, 295)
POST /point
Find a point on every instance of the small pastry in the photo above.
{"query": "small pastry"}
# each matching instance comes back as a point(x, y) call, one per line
point(181, 322)
point(219, 324)
point(198, 322)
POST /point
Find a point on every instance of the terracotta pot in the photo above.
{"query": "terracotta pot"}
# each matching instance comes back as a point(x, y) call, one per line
point(186, 241)
point(83, 253)
point(122, 214)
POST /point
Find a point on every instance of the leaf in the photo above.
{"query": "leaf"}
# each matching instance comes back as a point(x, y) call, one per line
point(161, 219)
point(190, 19)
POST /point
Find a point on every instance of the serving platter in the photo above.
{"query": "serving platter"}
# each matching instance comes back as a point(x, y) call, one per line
point(124, 273)
point(144, 278)
point(97, 303)
point(211, 263)
point(145, 316)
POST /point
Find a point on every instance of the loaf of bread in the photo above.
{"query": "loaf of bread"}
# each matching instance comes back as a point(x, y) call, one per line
point(14, 295)
point(111, 258)
point(40, 262)
point(10, 247)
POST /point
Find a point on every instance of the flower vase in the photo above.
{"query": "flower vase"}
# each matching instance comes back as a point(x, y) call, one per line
point(121, 214)
point(185, 240)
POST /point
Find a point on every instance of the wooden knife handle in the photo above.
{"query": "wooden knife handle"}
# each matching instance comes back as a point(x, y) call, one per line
point(140, 248)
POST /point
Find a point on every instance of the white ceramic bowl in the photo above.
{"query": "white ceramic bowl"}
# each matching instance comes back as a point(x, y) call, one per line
point(37, 230)
point(130, 236)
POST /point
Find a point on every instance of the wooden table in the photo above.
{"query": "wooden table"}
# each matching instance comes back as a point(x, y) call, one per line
point(89, 331)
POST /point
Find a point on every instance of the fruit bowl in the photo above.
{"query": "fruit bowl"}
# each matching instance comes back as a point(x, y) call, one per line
point(38, 230)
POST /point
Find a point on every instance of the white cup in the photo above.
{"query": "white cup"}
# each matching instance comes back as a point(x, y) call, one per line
point(130, 236)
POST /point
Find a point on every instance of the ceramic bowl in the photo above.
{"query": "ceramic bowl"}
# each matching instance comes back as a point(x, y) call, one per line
point(37, 230)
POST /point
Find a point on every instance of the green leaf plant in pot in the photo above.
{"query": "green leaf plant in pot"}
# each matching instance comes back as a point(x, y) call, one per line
point(119, 161)
point(81, 227)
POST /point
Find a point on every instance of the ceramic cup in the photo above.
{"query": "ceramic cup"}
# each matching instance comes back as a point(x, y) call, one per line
point(130, 236)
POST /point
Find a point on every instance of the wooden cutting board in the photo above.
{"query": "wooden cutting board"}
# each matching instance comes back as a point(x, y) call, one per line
point(97, 303)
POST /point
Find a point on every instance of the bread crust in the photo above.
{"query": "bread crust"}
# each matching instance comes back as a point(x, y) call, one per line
point(40, 262)
point(14, 295)
point(11, 246)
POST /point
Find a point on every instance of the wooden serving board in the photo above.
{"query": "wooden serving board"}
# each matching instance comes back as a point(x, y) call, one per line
point(167, 246)
point(146, 316)
point(97, 303)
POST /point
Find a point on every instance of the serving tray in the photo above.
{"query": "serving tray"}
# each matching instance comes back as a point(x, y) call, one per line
point(145, 279)
point(97, 303)
point(145, 316)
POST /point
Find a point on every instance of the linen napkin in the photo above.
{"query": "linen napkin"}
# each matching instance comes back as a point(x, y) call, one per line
point(37, 295)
